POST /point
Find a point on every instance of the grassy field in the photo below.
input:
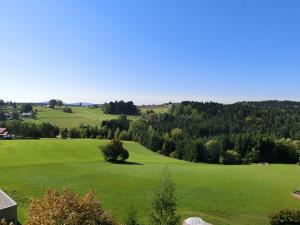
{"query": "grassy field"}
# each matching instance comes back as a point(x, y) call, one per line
point(235, 195)
point(80, 115)
point(155, 108)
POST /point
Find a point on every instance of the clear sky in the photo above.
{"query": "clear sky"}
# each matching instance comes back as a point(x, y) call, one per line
point(149, 51)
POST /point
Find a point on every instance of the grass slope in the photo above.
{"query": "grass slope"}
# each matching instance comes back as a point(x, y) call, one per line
point(235, 195)
point(80, 115)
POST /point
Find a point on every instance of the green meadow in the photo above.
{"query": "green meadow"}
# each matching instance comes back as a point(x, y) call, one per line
point(222, 195)
point(80, 115)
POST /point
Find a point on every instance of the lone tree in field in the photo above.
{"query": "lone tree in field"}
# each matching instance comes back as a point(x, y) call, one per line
point(114, 151)
point(59, 103)
point(67, 208)
point(52, 103)
point(164, 203)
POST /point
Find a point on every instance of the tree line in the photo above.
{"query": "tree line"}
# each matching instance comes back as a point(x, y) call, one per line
point(30, 130)
point(120, 107)
point(212, 132)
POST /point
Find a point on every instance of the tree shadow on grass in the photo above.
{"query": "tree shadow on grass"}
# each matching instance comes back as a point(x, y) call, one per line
point(126, 163)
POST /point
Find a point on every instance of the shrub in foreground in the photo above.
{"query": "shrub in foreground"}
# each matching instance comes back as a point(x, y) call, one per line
point(164, 204)
point(286, 217)
point(67, 109)
point(69, 209)
point(114, 151)
point(132, 217)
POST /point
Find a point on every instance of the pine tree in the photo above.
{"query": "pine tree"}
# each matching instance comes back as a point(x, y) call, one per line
point(117, 133)
point(164, 203)
point(132, 217)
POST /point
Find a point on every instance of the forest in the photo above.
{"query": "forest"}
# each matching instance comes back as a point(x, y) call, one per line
point(242, 132)
point(121, 107)
point(217, 133)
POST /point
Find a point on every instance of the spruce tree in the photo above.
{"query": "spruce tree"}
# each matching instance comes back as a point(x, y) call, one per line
point(163, 210)
point(132, 217)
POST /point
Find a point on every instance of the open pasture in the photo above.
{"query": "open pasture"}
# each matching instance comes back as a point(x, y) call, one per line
point(80, 115)
point(222, 195)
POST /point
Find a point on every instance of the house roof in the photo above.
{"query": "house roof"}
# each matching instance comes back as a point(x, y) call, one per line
point(2, 130)
point(6, 201)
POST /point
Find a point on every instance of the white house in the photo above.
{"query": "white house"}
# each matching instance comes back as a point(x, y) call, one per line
point(4, 134)
point(8, 208)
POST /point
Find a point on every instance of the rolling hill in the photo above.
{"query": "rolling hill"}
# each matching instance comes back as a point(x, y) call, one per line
point(235, 195)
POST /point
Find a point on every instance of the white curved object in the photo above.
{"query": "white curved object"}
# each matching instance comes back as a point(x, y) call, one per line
point(194, 221)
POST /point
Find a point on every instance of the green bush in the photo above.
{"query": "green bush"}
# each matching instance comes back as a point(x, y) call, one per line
point(132, 217)
point(124, 135)
point(286, 217)
point(67, 109)
point(64, 133)
point(114, 151)
point(73, 133)
point(230, 157)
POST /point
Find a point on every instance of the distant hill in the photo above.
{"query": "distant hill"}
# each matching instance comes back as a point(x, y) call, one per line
point(81, 103)
point(275, 104)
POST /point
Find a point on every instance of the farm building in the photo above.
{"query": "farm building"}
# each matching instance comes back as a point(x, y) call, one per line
point(4, 134)
point(24, 114)
point(8, 208)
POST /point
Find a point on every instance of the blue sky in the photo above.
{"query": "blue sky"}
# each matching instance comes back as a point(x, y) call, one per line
point(149, 51)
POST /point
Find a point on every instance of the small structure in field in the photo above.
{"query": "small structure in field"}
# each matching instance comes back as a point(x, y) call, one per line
point(8, 208)
point(296, 194)
point(195, 221)
point(26, 114)
point(4, 134)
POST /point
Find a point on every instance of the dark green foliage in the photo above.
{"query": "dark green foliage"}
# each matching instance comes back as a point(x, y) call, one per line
point(267, 149)
point(252, 156)
point(117, 133)
point(163, 211)
point(230, 157)
point(2, 116)
point(73, 133)
point(121, 123)
point(167, 147)
point(15, 116)
point(26, 108)
point(213, 149)
point(110, 134)
point(31, 130)
point(132, 217)
point(286, 217)
point(52, 103)
point(67, 109)
point(192, 150)
point(121, 107)
point(59, 103)
point(114, 151)
point(250, 129)
point(124, 135)
point(64, 133)
point(286, 152)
